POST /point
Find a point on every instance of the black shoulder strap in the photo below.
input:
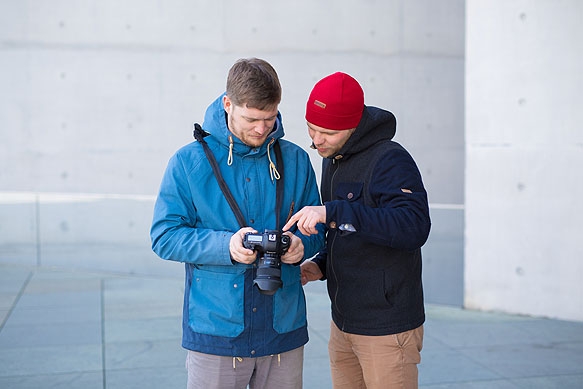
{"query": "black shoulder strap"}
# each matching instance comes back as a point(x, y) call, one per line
point(199, 135)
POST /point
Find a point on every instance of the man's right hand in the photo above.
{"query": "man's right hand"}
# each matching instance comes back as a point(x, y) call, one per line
point(307, 219)
point(238, 252)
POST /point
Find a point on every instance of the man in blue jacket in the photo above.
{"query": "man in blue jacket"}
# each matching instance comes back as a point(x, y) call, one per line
point(237, 334)
point(377, 218)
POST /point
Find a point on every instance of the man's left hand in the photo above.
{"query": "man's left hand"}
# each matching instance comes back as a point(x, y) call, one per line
point(295, 252)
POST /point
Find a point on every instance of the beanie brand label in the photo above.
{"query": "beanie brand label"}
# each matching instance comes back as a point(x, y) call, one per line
point(319, 104)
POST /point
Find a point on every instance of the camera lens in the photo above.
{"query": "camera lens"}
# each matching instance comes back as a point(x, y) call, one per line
point(268, 279)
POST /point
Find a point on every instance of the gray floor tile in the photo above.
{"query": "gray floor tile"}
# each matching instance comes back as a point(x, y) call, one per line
point(317, 347)
point(529, 360)
point(143, 329)
point(7, 301)
point(552, 382)
point(60, 299)
point(152, 354)
point(3, 315)
point(134, 311)
point(39, 334)
point(547, 331)
point(33, 361)
point(448, 367)
point(12, 279)
point(488, 384)
point(317, 374)
point(166, 378)
point(143, 299)
point(55, 315)
point(58, 283)
point(82, 380)
point(476, 334)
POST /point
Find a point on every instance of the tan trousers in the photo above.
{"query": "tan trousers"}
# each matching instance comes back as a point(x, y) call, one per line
point(374, 362)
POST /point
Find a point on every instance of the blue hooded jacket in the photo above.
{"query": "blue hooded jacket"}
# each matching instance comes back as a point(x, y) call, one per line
point(224, 314)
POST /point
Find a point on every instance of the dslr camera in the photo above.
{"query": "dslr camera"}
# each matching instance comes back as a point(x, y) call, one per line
point(270, 246)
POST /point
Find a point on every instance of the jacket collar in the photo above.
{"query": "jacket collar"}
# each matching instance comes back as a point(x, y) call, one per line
point(375, 125)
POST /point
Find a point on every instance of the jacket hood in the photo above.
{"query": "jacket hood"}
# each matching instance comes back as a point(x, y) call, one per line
point(375, 125)
point(215, 123)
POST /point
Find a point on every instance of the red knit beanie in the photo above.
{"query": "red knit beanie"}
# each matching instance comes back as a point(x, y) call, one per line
point(336, 102)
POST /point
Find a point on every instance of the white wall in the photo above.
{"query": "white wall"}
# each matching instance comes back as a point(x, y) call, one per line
point(524, 152)
point(96, 95)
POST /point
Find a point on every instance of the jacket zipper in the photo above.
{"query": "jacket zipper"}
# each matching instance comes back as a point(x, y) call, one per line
point(330, 256)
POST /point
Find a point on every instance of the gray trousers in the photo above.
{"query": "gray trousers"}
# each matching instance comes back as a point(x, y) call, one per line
point(281, 371)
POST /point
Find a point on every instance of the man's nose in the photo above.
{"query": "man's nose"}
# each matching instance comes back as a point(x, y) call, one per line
point(262, 127)
point(317, 139)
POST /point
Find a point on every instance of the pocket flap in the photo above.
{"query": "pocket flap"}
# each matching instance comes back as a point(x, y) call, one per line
point(349, 191)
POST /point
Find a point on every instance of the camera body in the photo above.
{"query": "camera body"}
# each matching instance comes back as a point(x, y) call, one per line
point(270, 245)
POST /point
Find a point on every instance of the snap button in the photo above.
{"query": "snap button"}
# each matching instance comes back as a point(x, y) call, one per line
point(332, 224)
point(350, 195)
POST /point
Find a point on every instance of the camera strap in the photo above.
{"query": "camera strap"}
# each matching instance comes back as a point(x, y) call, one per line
point(199, 135)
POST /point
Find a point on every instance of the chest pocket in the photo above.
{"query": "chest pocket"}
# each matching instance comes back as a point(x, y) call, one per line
point(349, 191)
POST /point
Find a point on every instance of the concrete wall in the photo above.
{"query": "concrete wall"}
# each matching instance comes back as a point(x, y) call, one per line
point(95, 96)
point(524, 152)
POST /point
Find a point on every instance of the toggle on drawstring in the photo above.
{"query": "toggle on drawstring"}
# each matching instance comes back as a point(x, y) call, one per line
point(272, 168)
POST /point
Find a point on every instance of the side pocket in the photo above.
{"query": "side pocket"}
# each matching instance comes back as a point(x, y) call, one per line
point(411, 343)
point(215, 305)
point(289, 302)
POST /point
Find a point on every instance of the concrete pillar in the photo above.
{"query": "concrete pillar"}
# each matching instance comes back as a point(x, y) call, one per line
point(524, 153)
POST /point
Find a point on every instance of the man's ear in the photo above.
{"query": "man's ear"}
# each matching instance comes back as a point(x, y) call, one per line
point(227, 104)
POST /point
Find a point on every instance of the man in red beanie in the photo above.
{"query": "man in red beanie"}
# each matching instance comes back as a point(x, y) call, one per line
point(377, 218)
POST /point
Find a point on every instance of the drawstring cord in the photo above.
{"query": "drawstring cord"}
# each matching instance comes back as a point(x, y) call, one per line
point(230, 159)
point(235, 359)
point(273, 173)
point(272, 168)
